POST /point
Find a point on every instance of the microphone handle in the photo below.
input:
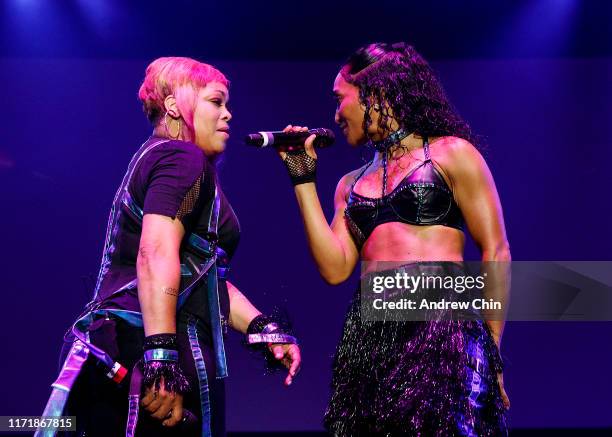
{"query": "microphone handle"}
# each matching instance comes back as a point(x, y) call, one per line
point(288, 141)
point(189, 421)
point(296, 141)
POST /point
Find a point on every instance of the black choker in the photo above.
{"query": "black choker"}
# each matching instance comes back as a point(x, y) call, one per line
point(392, 139)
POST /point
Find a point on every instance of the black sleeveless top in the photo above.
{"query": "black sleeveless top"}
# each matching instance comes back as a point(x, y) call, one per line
point(173, 179)
point(421, 198)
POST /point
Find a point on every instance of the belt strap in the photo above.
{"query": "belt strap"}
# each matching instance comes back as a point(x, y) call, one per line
point(62, 386)
point(215, 322)
point(200, 366)
point(133, 401)
point(81, 328)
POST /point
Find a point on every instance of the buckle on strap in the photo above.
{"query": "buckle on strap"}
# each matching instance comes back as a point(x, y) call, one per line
point(209, 248)
point(206, 246)
point(222, 272)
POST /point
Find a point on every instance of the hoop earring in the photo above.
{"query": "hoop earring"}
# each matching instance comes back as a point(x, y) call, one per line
point(180, 128)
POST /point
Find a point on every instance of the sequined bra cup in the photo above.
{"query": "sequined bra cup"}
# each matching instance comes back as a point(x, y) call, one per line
point(421, 198)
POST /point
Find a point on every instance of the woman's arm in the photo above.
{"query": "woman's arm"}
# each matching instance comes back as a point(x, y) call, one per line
point(242, 313)
point(332, 246)
point(476, 195)
point(158, 270)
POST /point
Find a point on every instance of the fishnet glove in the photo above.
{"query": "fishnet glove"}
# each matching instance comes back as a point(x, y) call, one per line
point(301, 166)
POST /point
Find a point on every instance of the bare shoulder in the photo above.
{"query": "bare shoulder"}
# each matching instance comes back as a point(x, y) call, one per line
point(453, 148)
point(456, 154)
point(350, 177)
point(345, 183)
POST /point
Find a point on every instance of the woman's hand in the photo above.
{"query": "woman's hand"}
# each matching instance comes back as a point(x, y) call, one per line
point(163, 405)
point(308, 144)
point(301, 163)
point(502, 390)
point(500, 375)
point(290, 356)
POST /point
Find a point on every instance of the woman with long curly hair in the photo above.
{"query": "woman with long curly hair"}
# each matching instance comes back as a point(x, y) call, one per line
point(408, 205)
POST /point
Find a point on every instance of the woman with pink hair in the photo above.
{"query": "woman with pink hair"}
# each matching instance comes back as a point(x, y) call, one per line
point(152, 337)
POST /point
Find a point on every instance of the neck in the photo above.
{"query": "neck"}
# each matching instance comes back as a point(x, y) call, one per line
point(395, 151)
point(161, 131)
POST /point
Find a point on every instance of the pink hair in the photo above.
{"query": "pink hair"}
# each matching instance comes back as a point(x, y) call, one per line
point(180, 77)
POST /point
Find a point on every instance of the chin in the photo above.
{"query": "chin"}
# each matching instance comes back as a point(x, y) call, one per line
point(218, 149)
point(349, 139)
point(356, 142)
point(213, 149)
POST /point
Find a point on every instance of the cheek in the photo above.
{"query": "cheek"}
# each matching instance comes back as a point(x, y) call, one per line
point(354, 115)
point(202, 124)
point(352, 103)
point(345, 113)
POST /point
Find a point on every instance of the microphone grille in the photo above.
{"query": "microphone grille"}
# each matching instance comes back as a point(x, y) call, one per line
point(325, 137)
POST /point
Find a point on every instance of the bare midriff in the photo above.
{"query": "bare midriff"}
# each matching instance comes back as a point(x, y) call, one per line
point(403, 243)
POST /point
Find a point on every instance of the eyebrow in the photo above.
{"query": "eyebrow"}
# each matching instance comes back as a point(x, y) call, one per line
point(215, 93)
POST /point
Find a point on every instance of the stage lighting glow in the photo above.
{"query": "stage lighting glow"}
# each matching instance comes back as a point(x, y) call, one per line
point(541, 26)
point(98, 15)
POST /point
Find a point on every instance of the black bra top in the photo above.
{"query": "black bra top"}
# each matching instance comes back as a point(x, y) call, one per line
point(421, 198)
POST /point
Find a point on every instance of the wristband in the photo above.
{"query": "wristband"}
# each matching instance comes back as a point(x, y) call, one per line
point(160, 355)
point(160, 362)
point(301, 166)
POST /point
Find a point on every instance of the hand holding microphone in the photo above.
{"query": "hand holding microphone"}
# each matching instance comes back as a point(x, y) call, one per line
point(295, 145)
point(301, 161)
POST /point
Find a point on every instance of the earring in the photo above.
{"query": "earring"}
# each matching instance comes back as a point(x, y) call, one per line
point(168, 132)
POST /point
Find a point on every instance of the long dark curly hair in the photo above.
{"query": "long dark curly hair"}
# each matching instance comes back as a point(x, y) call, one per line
point(396, 81)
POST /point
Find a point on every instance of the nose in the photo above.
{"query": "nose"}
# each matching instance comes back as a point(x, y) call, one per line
point(227, 116)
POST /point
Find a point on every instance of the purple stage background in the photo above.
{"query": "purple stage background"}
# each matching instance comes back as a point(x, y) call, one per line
point(69, 127)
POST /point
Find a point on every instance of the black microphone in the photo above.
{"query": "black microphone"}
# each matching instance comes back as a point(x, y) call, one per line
point(189, 422)
point(290, 140)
